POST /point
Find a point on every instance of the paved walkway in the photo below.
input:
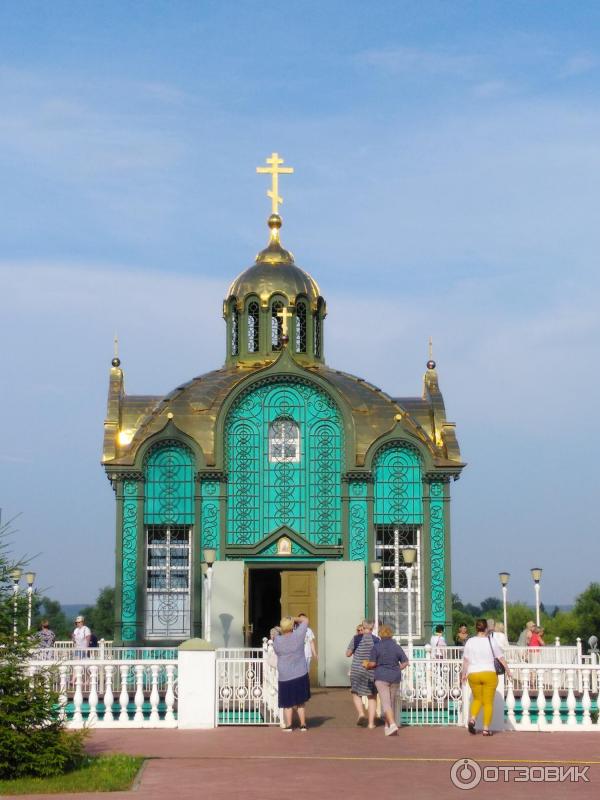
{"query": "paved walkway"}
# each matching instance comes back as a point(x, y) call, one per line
point(334, 759)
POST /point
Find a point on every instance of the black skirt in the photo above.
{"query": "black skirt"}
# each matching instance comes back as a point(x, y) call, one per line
point(295, 692)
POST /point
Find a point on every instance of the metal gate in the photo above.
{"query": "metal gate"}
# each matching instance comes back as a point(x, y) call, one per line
point(431, 693)
point(246, 687)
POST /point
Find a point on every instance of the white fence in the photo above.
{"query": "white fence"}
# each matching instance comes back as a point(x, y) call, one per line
point(246, 692)
point(138, 687)
point(431, 693)
point(118, 693)
point(567, 708)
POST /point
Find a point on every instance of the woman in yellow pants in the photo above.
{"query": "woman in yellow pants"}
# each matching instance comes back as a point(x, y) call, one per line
point(478, 667)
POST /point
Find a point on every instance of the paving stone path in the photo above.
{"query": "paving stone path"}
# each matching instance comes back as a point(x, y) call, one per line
point(334, 759)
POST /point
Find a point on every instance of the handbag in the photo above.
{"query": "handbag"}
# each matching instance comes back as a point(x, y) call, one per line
point(498, 666)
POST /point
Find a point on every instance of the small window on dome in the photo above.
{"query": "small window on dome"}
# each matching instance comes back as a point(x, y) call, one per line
point(253, 327)
point(276, 326)
point(284, 441)
point(301, 328)
point(317, 333)
point(235, 331)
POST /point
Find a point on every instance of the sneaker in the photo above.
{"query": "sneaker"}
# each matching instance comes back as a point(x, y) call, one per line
point(391, 730)
point(287, 730)
point(302, 728)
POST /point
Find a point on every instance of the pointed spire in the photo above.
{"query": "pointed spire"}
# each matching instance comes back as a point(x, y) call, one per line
point(431, 362)
point(116, 362)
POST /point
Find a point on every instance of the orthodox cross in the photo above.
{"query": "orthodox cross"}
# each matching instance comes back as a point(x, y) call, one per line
point(275, 170)
point(284, 315)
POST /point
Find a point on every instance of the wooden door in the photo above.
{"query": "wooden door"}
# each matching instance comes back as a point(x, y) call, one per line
point(299, 595)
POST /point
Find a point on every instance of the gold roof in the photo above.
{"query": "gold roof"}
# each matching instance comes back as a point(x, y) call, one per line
point(195, 406)
point(275, 273)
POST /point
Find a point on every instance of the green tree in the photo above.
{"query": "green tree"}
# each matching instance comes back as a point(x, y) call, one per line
point(490, 604)
point(518, 615)
point(46, 608)
point(563, 624)
point(587, 612)
point(32, 737)
point(100, 618)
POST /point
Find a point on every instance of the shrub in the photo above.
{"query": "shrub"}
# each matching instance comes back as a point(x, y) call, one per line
point(33, 740)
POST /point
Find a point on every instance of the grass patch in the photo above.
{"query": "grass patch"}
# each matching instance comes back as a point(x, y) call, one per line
point(98, 774)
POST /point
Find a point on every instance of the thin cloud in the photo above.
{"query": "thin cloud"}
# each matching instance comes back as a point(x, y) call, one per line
point(412, 60)
point(579, 65)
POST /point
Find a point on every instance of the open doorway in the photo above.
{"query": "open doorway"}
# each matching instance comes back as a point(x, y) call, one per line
point(264, 603)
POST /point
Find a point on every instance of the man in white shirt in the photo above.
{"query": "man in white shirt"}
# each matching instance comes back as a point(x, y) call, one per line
point(310, 650)
point(81, 637)
point(438, 643)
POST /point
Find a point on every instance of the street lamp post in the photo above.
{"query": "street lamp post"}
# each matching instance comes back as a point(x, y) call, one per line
point(376, 572)
point(30, 578)
point(409, 555)
point(536, 574)
point(15, 574)
point(210, 556)
point(204, 596)
point(504, 576)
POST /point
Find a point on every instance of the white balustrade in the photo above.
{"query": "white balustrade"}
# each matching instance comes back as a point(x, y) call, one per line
point(63, 671)
point(108, 694)
point(541, 701)
point(571, 702)
point(139, 693)
point(525, 700)
point(93, 696)
point(124, 694)
point(556, 721)
point(542, 695)
point(170, 693)
point(78, 696)
point(154, 697)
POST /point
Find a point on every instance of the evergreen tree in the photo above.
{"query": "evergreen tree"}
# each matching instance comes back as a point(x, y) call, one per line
point(32, 738)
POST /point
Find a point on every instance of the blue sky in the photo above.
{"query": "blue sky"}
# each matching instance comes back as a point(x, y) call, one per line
point(447, 163)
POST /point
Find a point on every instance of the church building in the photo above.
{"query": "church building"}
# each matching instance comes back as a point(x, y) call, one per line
point(294, 476)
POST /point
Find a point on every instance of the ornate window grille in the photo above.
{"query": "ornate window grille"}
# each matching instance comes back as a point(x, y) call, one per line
point(390, 541)
point(301, 328)
point(168, 562)
point(263, 494)
point(253, 327)
point(284, 441)
point(235, 331)
point(168, 520)
point(276, 325)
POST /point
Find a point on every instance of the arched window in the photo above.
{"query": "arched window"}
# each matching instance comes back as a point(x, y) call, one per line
point(253, 327)
point(284, 441)
point(301, 328)
point(398, 518)
point(168, 522)
point(317, 332)
point(276, 325)
point(235, 331)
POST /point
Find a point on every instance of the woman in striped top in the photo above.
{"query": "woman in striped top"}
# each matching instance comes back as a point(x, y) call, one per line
point(361, 680)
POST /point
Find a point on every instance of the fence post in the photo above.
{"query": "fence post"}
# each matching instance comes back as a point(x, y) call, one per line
point(196, 684)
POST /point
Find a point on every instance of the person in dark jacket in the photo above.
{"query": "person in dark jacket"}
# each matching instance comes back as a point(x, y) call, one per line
point(388, 660)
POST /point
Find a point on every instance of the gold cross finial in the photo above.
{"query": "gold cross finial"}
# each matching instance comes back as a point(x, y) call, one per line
point(275, 170)
point(430, 349)
point(284, 315)
point(116, 346)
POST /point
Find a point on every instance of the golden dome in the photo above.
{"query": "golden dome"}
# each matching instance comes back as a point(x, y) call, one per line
point(275, 273)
